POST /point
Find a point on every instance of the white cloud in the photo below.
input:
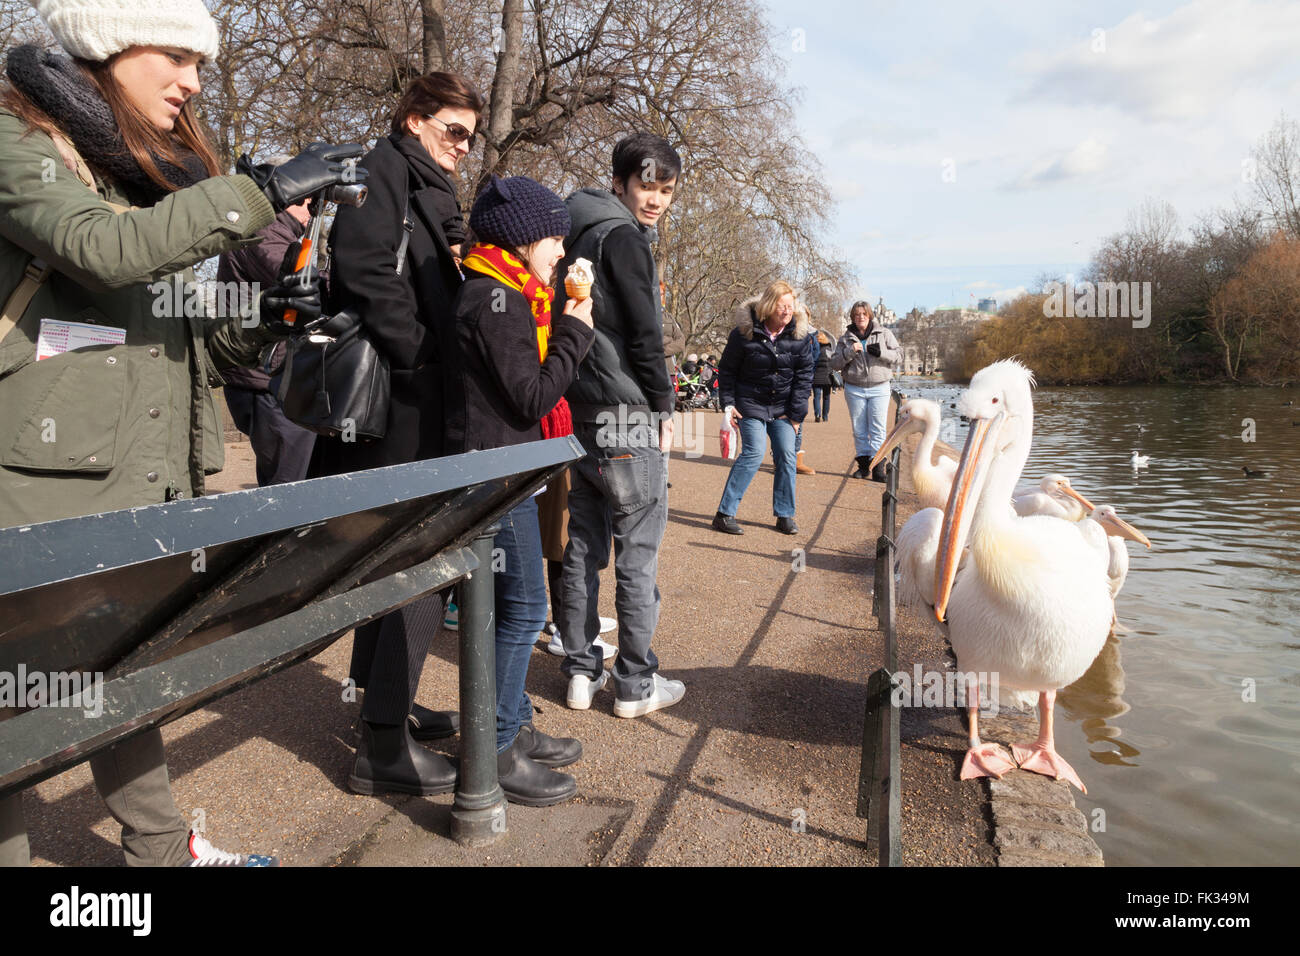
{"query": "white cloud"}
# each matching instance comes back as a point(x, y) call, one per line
point(1085, 159)
point(1181, 66)
point(1004, 296)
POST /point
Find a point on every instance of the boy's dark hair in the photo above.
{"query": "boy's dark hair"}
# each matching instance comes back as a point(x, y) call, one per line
point(648, 156)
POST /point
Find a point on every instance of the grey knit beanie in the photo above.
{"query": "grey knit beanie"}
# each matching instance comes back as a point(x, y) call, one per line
point(516, 211)
point(96, 29)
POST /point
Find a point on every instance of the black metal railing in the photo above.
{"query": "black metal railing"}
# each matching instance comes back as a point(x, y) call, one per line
point(878, 778)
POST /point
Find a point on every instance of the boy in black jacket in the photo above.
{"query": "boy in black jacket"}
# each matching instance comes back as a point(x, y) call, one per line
point(622, 403)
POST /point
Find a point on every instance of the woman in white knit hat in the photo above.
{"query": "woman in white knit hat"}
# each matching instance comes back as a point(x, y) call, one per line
point(109, 186)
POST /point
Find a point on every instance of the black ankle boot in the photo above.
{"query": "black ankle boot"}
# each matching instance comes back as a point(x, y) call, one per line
point(429, 724)
point(524, 780)
point(527, 782)
point(549, 751)
point(878, 473)
point(864, 467)
point(390, 761)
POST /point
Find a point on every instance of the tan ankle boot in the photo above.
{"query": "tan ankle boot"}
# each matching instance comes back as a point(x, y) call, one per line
point(799, 467)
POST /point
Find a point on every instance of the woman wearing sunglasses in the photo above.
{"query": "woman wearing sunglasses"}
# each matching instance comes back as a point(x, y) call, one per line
point(406, 308)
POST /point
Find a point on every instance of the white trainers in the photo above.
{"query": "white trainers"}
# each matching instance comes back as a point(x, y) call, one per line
point(205, 854)
point(662, 693)
point(582, 689)
point(556, 645)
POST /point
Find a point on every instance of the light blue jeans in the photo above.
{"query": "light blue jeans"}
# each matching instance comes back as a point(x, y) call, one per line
point(868, 408)
point(753, 446)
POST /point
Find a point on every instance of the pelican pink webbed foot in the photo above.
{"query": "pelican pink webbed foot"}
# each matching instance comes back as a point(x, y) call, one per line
point(1041, 756)
point(983, 760)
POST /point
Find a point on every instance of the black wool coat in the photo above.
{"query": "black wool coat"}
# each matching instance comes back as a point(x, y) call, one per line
point(822, 370)
point(408, 317)
point(500, 390)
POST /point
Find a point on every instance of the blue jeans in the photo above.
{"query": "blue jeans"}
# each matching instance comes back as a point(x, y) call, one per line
point(821, 402)
point(753, 446)
point(867, 409)
point(520, 612)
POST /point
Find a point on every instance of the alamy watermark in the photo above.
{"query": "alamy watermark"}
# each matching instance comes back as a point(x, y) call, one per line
point(174, 298)
point(922, 688)
point(1099, 300)
point(24, 688)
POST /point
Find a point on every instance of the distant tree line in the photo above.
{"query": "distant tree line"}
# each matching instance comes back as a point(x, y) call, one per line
point(1225, 296)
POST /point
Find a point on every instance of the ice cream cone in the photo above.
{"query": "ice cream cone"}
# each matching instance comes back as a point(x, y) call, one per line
point(577, 290)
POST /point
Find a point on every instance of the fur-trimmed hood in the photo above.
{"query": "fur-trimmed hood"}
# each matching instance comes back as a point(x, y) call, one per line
point(747, 311)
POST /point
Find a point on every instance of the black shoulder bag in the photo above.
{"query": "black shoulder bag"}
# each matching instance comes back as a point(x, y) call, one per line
point(335, 382)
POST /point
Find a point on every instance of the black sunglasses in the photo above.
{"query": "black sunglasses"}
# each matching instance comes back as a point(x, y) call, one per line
point(455, 131)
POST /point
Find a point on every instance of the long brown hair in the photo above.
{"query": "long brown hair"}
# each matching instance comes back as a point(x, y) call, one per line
point(144, 140)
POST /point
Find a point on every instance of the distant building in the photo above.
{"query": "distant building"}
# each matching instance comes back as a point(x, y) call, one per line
point(959, 316)
point(988, 305)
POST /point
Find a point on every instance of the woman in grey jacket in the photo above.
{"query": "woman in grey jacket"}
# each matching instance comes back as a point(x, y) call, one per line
point(865, 355)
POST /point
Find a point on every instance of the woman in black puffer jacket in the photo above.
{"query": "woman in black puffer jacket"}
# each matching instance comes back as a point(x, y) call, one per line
point(765, 377)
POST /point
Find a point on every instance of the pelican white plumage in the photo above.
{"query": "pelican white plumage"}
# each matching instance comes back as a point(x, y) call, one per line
point(932, 481)
point(1032, 603)
point(1054, 497)
point(1111, 533)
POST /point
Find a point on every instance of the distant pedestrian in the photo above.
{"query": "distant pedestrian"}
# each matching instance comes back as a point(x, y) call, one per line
point(866, 353)
point(765, 377)
point(821, 394)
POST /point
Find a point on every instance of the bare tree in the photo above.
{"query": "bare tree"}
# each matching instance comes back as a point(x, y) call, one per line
point(1277, 174)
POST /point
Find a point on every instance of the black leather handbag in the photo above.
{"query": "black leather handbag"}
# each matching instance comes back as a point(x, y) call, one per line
point(334, 381)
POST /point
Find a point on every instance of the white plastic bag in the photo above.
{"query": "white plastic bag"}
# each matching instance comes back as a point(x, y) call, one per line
point(728, 437)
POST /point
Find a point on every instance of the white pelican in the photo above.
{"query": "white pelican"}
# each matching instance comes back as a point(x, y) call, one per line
point(932, 481)
point(1032, 603)
point(1112, 531)
point(1140, 461)
point(1055, 497)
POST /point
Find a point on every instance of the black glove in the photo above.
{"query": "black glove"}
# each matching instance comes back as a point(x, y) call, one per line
point(874, 349)
point(291, 294)
point(317, 167)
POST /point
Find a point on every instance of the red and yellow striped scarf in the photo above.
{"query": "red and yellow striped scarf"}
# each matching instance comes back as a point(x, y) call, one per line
point(508, 270)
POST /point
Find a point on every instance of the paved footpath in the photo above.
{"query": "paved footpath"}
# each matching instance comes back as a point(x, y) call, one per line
point(757, 765)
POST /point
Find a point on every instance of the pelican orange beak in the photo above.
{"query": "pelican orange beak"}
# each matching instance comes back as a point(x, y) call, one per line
point(1079, 498)
point(1117, 526)
point(901, 427)
point(967, 485)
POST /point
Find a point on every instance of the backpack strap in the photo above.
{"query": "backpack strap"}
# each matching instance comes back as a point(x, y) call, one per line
point(38, 270)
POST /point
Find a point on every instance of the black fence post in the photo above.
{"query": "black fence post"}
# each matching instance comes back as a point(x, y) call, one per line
point(478, 814)
point(878, 778)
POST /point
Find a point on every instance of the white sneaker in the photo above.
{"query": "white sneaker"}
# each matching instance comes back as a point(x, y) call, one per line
point(205, 854)
point(556, 647)
point(607, 624)
point(665, 694)
point(582, 689)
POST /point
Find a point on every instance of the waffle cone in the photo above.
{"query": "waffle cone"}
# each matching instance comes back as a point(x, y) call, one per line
point(577, 290)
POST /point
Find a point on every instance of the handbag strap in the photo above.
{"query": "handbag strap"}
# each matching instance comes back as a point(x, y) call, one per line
point(408, 227)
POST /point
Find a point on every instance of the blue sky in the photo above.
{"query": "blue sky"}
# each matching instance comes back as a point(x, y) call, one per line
point(973, 146)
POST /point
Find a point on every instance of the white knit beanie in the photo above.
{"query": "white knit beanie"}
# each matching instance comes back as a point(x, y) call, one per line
point(96, 29)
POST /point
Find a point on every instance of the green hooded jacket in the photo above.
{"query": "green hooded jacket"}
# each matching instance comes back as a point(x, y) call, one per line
point(114, 425)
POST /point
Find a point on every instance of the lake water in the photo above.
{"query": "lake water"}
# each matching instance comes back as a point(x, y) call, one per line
point(1187, 728)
